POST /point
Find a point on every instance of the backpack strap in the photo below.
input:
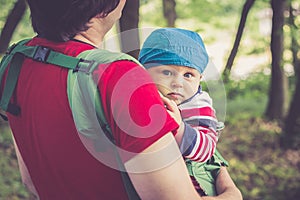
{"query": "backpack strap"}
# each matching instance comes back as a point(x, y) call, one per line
point(12, 77)
point(15, 57)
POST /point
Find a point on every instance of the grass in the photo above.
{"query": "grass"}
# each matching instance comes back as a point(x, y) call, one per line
point(11, 187)
point(260, 168)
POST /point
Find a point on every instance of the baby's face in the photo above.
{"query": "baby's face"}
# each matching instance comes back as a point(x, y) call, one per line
point(177, 83)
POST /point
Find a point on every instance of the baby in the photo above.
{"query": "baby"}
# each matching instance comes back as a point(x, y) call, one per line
point(176, 59)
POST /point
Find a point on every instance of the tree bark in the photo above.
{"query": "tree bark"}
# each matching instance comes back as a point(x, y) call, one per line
point(278, 87)
point(11, 23)
point(294, 44)
point(130, 42)
point(247, 6)
point(170, 12)
point(292, 122)
point(291, 136)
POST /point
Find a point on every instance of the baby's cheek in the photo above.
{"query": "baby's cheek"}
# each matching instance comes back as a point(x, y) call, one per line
point(163, 89)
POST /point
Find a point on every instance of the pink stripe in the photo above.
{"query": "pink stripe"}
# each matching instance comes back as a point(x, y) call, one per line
point(198, 147)
point(204, 111)
point(200, 158)
point(206, 141)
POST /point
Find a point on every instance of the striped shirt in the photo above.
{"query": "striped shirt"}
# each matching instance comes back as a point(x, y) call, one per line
point(200, 135)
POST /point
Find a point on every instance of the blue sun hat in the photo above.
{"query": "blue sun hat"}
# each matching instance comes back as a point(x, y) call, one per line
point(174, 46)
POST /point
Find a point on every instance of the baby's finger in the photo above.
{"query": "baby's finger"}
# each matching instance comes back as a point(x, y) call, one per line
point(171, 105)
point(166, 100)
point(160, 94)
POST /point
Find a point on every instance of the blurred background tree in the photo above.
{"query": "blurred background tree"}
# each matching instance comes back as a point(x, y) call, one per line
point(290, 138)
point(246, 8)
point(11, 23)
point(276, 108)
point(130, 40)
point(170, 12)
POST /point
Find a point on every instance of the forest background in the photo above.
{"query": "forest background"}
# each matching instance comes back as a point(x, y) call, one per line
point(254, 57)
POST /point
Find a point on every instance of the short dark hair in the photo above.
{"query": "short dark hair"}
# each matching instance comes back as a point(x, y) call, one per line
point(61, 20)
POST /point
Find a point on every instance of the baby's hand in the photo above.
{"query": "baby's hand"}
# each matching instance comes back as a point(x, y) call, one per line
point(172, 109)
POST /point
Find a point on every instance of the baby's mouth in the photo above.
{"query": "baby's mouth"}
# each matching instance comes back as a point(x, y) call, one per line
point(175, 95)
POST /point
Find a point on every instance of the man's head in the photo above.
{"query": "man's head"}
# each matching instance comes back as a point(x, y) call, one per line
point(61, 20)
point(175, 58)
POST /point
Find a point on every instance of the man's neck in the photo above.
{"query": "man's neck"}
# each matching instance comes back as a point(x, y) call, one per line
point(95, 34)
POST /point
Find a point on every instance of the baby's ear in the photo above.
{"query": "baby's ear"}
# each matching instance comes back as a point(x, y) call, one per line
point(201, 75)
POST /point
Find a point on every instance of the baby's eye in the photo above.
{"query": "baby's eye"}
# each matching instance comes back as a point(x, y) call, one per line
point(167, 72)
point(188, 75)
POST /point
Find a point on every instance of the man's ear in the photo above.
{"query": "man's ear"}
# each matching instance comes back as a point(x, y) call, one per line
point(101, 15)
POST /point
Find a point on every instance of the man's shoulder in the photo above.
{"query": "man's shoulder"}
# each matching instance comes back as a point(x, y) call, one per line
point(105, 56)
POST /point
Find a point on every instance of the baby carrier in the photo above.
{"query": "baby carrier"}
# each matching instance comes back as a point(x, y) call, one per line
point(81, 66)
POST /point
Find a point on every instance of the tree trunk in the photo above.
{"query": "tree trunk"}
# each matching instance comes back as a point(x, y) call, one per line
point(291, 132)
point(11, 23)
point(278, 86)
point(291, 136)
point(129, 21)
point(170, 12)
point(294, 44)
point(247, 6)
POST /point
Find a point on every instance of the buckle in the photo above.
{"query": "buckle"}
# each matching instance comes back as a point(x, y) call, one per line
point(41, 54)
point(3, 116)
point(9, 50)
point(84, 65)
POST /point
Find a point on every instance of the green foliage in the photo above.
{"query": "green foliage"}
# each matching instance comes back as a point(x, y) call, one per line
point(146, 13)
point(248, 96)
point(204, 9)
point(199, 11)
point(11, 186)
point(23, 29)
point(6, 6)
point(255, 86)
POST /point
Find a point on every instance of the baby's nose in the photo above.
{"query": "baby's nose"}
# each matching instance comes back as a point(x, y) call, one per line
point(177, 82)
